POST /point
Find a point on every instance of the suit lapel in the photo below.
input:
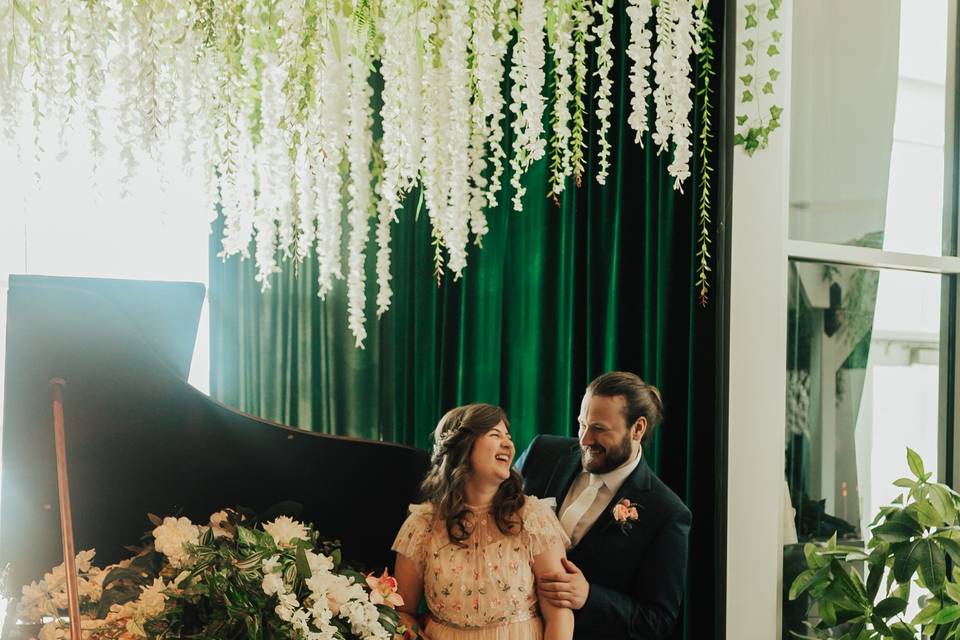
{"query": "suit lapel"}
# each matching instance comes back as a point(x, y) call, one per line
point(563, 475)
point(635, 489)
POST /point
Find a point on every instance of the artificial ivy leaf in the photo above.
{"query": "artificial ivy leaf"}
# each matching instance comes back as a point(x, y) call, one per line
point(775, 111)
point(749, 60)
point(767, 88)
point(774, 74)
point(746, 97)
point(772, 14)
point(746, 79)
point(751, 8)
point(739, 139)
point(749, 22)
point(741, 120)
point(748, 44)
point(915, 462)
point(772, 50)
point(776, 35)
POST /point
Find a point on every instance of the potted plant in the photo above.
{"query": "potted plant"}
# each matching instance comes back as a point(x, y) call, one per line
point(914, 553)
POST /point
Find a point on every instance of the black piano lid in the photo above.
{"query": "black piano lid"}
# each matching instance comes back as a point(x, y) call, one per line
point(140, 439)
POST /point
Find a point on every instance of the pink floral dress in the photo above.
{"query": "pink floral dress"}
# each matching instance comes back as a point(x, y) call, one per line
point(486, 589)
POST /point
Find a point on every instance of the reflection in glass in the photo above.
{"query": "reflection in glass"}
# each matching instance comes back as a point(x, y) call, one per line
point(867, 143)
point(862, 386)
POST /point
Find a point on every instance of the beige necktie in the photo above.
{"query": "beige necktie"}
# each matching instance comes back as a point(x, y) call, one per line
point(575, 511)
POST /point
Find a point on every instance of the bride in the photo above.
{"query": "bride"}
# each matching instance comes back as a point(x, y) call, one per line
point(476, 545)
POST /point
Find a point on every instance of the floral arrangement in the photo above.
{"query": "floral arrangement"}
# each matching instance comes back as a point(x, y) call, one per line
point(274, 103)
point(229, 578)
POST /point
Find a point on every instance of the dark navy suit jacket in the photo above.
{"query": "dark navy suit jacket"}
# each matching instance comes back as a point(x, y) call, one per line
point(636, 578)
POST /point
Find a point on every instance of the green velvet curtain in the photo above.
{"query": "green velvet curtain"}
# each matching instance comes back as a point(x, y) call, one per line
point(556, 296)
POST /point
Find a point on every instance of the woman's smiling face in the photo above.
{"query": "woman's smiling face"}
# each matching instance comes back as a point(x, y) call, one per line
point(492, 454)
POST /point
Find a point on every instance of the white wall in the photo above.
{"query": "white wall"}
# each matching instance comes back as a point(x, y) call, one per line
point(758, 303)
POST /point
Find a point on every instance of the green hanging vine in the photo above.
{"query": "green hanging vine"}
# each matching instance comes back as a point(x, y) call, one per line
point(705, 75)
point(754, 128)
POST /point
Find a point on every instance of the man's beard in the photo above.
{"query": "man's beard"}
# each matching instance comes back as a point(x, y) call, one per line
point(608, 459)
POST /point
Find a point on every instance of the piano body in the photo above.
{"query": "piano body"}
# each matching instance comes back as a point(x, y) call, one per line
point(140, 439)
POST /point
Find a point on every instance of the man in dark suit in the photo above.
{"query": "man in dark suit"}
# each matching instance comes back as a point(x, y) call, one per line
point(626, 567)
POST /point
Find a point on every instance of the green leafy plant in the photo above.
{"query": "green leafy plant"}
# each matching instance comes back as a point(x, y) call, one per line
point(914, 552)
point(758, 118)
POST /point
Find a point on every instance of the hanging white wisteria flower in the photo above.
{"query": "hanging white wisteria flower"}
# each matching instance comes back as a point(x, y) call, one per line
point(527, 103)
point(603, 30)
point(560, 34)
point(639, 12)
point(273, 101)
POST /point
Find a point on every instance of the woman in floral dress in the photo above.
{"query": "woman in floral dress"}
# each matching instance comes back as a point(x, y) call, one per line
point(475, 546)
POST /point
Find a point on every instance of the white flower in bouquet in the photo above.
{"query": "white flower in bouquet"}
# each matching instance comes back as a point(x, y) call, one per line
point(284, 530)
point(150, 604)
point(34, 602)
point(272, 576)
point(319, 563)
point(364, 620)
point(287, 606)
point(171, 537)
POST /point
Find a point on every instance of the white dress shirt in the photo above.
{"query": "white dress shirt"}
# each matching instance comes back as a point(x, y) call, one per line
point(612, 481)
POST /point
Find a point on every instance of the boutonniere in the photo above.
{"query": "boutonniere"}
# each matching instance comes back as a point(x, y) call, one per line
point(625, 513)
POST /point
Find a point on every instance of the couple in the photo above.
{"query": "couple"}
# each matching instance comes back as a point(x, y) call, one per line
point(497, 564)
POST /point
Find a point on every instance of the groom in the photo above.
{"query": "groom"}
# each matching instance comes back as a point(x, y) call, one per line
point(626, 566)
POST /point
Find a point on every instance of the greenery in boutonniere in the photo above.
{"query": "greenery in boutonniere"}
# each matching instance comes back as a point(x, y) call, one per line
point(756, 120)
point(906, 559)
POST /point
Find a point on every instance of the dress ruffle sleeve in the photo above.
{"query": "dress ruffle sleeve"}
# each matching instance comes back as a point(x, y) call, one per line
point(411, 540)
point(541, 527)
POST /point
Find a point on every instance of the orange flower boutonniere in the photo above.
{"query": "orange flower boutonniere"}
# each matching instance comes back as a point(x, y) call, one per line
point(625, 513)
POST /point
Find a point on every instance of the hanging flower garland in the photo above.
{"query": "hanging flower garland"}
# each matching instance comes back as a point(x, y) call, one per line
point(274, 102)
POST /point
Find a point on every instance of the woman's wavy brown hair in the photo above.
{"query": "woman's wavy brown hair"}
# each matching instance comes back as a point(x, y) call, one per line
point(444, 485)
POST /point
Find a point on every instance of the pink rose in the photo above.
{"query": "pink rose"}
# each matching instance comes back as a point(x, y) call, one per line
point(621, 512)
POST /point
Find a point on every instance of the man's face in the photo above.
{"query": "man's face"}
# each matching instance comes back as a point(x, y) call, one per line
point(606, 442)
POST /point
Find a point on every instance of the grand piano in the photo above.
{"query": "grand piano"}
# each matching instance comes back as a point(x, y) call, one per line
point(140, 439)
